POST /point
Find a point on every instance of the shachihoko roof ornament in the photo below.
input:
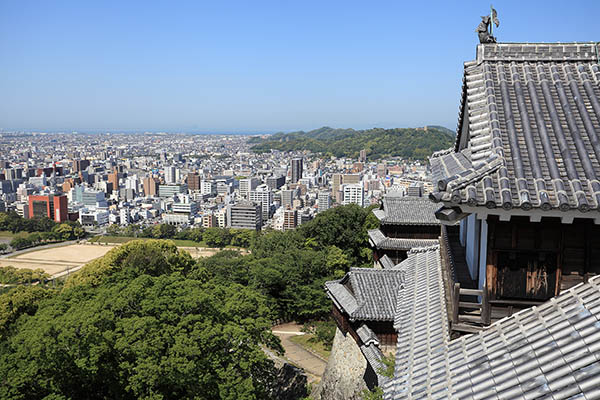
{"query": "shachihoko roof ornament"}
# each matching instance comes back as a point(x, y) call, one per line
point(485, 29)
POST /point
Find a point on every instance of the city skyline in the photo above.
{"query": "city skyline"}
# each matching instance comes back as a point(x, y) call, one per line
point(257, 68)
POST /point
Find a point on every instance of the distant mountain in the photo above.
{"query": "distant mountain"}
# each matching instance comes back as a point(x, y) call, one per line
point(415, 143)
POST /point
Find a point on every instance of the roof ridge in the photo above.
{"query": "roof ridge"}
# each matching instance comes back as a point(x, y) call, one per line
point(425, 249)
point(370, 270)
point(571, 51)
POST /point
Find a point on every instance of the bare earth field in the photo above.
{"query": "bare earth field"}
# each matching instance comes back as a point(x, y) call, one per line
point(59, 259)
point(56, 259)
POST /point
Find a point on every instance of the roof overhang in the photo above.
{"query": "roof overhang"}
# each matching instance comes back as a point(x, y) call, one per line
point(450, 215)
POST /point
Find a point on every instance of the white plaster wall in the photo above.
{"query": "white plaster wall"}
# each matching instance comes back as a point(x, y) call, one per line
point(472, 247)
point(482, 254)
point(463, 232)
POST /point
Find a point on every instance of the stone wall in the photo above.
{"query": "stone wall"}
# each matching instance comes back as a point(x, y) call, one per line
point(344, 375)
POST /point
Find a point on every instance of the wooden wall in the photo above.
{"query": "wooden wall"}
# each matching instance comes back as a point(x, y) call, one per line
point(411, 231)
point(383, 329)
point(536, 260)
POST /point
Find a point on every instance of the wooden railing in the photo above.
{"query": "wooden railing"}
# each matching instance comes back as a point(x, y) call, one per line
point(470, 321)
point(446, 254)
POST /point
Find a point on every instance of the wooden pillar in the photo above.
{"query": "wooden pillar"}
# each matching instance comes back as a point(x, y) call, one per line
point(486, 312)
point(455, 303)
point(559, 261)
point(491, 269)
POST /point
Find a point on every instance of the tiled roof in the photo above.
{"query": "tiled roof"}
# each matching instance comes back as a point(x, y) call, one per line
point(376, 237)
point(386, 262)
point(342, 297)
point(374, 356)
point(366, 294)
point(533, 118)
point(422, 324)
point(380, 241)
point(372, 352)
point(366, 335)
point(546, 352)
point(407, 211)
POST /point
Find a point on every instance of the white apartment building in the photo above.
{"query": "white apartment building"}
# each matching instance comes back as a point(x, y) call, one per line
point(247, 185)
point(172, 175)
point(353, 193)
point(264, 196)
point(208, 187)
point(324, 201)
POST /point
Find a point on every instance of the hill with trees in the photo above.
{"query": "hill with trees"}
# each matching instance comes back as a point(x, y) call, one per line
point(146, 321)
point(411, 143)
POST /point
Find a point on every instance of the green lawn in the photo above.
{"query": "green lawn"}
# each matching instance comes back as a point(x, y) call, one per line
point(7, 234)
point(110, 239)
point(125, 239)
point(306, 342)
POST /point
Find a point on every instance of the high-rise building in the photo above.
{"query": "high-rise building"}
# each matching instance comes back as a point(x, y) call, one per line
point(247, 185)
point(296, 169)
point(353, 193)
point(245, 215)
point(304, 218)
point(194, 181)
point(324, 201)
point(80, 165)
point(150, 186)
point(358, 167)
point(351, 179)
point(165, 191)
point(113, 178)
point(52, 206)
point(362, 156)
point(290, 219)
point(124, 216)
point(132, 182)
point(92, 198)
point(287, 197)
point(275, 182)
point(264, 196)
point(209, 221)
point(381, 170)
point(336, 183)
point(221, 216)
point(171, 175)
point(341, 179)
point(208, 188)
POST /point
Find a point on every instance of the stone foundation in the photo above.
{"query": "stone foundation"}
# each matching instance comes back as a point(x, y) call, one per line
point(343, 378)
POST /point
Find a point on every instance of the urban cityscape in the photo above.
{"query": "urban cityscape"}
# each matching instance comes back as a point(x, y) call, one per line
point(187, 180)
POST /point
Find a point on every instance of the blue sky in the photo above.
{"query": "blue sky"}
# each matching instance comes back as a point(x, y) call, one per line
point(253, 66)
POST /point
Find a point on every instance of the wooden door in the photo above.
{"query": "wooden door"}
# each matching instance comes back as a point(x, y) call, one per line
point(526, 275)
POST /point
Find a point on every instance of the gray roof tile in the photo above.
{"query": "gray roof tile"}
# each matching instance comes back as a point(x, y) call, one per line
point(386, 262)
point(380, 241)
point(366, 294)
point(407, 211)
point(533, 113)
point(550, 351)
point(372, 353)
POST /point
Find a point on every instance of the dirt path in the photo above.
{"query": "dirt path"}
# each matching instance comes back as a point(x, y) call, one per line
point(312, 365)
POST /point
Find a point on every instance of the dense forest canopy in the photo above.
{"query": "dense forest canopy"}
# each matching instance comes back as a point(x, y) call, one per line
point(146, 321)
point(380, 143)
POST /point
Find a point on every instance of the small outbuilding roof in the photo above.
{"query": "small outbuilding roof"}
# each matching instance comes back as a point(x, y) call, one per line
point(366, 294)
point(407, 211)
point(380, 241)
